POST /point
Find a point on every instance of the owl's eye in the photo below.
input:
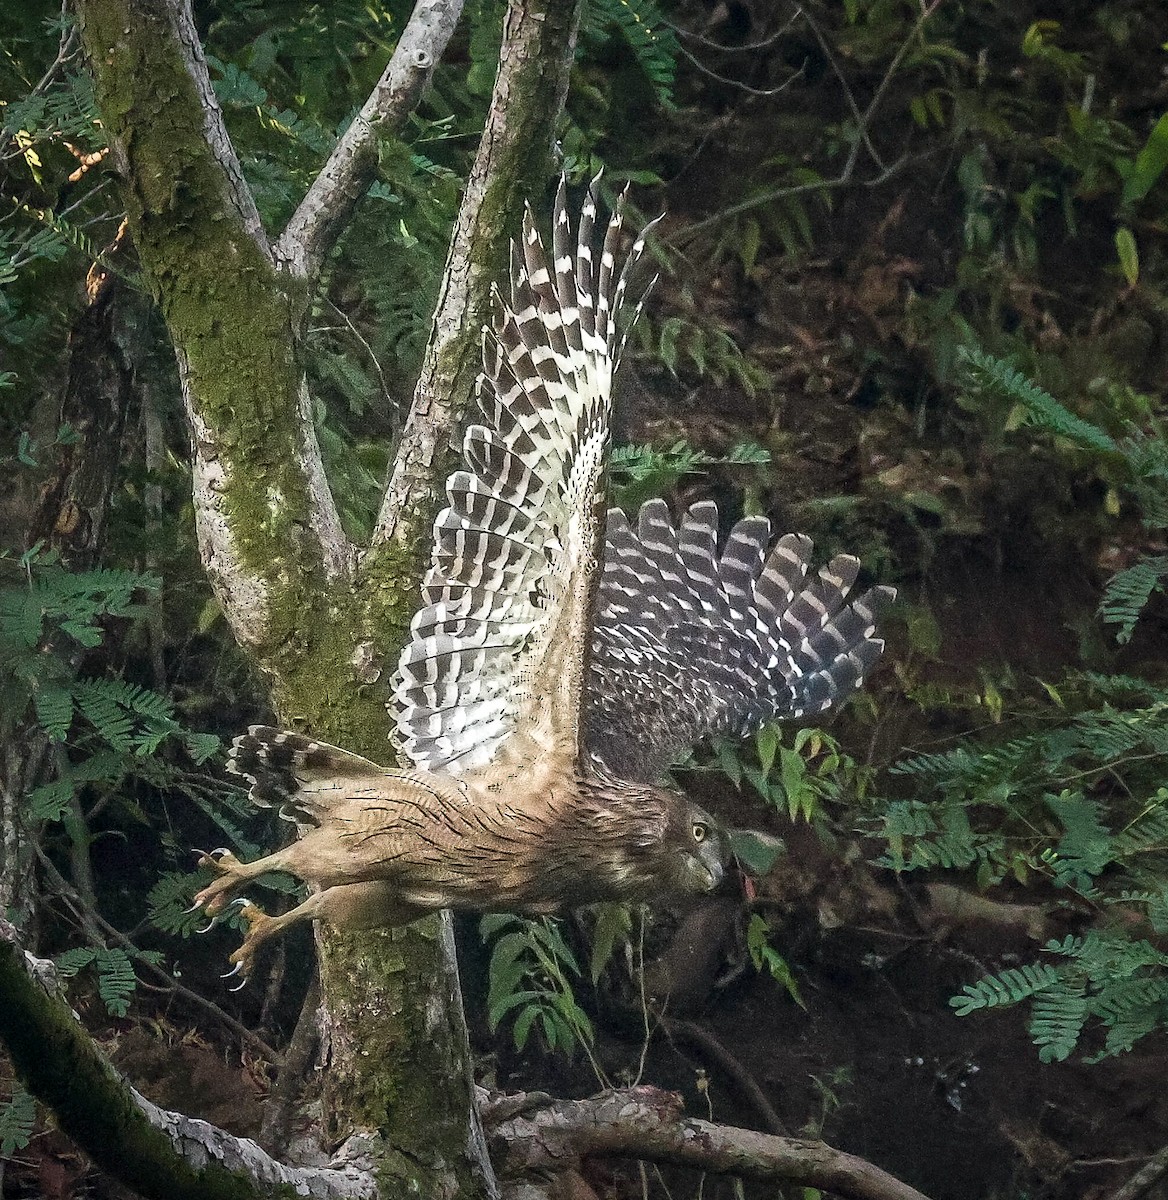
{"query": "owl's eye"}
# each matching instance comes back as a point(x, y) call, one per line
point(699, 831)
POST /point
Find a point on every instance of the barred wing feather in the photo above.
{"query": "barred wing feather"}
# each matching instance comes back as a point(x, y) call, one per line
point(689, 642)
point(499, 649)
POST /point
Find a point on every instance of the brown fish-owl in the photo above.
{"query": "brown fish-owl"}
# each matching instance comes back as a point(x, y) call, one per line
point(561, 659)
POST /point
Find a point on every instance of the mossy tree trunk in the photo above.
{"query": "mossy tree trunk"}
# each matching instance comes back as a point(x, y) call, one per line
point(321, 618)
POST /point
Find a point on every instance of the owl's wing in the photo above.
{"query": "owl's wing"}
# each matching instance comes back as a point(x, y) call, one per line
point(498, 653)
point(689, 642)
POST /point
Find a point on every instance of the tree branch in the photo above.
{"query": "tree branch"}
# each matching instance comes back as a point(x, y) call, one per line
point(157, 1153)
point(512, 164)
point(328, 205)
point(646, 1123)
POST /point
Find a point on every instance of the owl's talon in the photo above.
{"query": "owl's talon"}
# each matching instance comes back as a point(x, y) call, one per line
point(235, 970)
point(259, 927)
point(213, 898)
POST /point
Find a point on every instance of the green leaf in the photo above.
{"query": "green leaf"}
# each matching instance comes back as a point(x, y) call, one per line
point(766, 743)
point(613, 922)
point(17, 1119)
point(756, 851)
point(1129, 255)
point(1149, 164)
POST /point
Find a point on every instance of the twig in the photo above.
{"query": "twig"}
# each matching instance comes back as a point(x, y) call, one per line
point(746, 1083)
point(845, 177)
point(648, 1124)
point(366, 347)
point(822, 185)
point(1143, 1179)
point(849, 95)
point(927, 11)
point(327, 207)
point(99, 930)
point(710, 44)
point(737, 83)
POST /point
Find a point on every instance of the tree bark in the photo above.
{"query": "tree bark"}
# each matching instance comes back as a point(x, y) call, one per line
point(159, 1154)
point(648, 1124)
point(320, 626)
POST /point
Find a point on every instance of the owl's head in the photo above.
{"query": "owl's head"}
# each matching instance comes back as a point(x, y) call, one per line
point(701, 847)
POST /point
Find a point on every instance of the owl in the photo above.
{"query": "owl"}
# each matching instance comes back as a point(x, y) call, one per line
point(563, 655)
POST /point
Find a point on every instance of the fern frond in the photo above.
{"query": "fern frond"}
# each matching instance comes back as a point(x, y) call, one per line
point(116, 980)
point(1085, 847)
point(54, 710)
point(996, 375)
point(1010, 987)
point(1128, 591)
point(649, 36)
point(1057, 1018)
point(17, 1118)
point(169, 902)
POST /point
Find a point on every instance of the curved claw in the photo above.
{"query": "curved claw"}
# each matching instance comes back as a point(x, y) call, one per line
point(208, 927)
point(235, 970)
point(194, 908)
point(240, 986)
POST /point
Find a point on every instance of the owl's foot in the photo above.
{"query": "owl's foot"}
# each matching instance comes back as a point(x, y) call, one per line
point(259, 928)
point(213, 899)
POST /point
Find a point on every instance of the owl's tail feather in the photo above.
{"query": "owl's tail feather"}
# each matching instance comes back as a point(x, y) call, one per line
point(300, 776)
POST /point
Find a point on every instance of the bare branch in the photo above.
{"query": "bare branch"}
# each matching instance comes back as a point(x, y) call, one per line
point(157, 1153)
point(1144, 1178)
point(539, 37)
point(328, 206)
point(864, 119)
point(646, 1123)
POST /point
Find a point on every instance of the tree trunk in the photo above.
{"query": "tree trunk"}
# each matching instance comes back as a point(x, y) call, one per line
point(322, 625)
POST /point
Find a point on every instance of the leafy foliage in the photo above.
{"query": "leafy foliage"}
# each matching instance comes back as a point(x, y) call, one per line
point(797, 779)
point(642, 472)
point(17, 1118)
point(531, 973)
point(644, 28)
point(116, 979)
point(46, 624)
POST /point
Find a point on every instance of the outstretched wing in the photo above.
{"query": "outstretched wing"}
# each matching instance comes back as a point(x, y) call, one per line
point(689, 642)
point(498, 653)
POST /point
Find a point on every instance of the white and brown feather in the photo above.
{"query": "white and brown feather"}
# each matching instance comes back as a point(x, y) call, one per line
point(496, 664)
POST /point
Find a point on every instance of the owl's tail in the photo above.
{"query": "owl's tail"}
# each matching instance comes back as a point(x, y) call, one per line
point(300, 776)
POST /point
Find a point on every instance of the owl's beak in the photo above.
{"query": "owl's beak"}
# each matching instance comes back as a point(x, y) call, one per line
point(715, 871)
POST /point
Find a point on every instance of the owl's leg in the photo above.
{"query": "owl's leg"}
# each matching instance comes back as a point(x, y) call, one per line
point(261, 927)
point(368, 905)
point(234, 875)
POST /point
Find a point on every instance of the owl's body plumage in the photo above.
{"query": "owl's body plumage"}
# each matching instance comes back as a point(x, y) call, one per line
point(561, 659)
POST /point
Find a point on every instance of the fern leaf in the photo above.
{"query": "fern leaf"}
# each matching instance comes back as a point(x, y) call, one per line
point(1010, 987)
point(17, 1118)
point(1057, 1018)
point(169, 901)
point(1045, 411)
point(116, 980)
point(54, 710)
point(644, 28)
point(1128, 592)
